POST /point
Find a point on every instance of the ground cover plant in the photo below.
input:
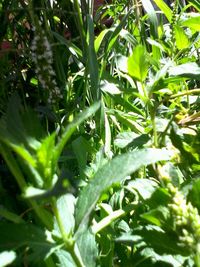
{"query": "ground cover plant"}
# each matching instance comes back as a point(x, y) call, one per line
point(99, 133)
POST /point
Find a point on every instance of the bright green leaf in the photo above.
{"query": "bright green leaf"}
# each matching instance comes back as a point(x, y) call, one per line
point(182, 40)
point(138, 64)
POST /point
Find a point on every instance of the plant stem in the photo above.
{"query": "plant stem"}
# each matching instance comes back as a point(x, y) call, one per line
point(107, 220)
point(190, 92)
point(67, 239)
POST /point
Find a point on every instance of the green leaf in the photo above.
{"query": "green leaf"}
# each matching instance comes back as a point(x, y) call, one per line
point(130, 139)
point(145, 187)
point(45, 157)
point(110, 88)
point(187, 70)
point(194, 193)
point(164, 8)
point(100, 38)
point(14, 236)
point(193, 23)
point(182, 40)
point(138, 64)
point(65, 205)
point(64, 258)
point(157, 216)
point(114, 36)
point(162, 242)
point(112, 172)
point(88, 248)
point(148, 7)
point(81, 148)
point(7, 257)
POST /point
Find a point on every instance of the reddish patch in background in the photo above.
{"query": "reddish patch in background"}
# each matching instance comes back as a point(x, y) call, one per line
point(5, 47)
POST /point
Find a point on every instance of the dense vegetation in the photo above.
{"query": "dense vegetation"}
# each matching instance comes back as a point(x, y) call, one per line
point(99, 133)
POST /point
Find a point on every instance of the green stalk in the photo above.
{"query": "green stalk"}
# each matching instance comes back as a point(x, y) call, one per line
point(155, 135)
point(111, 218)
point(107, 220)
point(186, 93)
point(68, 240)
point(197, 260)
point(80, 26)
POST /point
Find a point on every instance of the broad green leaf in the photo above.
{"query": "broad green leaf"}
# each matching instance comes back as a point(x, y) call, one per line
point(129, 121)
point(182, 40)
point(164, 260)
point(112, 172)
point(7, 257)
point(44, 158)
point(145, 187)
point(130, 139)
point(193, 23)
point(88, 248)
point(162, 242)
point(65, 205)
point(64, 259)
point(138, 64)
point(188, 70)
point(17, 235)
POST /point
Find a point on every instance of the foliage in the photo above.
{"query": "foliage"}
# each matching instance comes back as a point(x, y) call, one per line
point(99, 133)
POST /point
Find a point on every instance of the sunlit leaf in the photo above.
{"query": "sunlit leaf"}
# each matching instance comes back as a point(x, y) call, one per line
point(7, 257)
point(114, 171)
point(138, 64)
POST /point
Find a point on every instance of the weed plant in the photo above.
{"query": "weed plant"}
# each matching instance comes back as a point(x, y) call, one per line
point(99, 133)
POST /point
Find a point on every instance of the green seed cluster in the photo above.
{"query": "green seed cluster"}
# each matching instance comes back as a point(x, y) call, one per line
point(186, 220)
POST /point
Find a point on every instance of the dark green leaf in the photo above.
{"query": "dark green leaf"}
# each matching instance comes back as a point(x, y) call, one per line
point(17, 235)
point(113, 172)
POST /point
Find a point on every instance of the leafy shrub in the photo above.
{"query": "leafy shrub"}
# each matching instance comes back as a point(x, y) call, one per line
point(99, 134)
